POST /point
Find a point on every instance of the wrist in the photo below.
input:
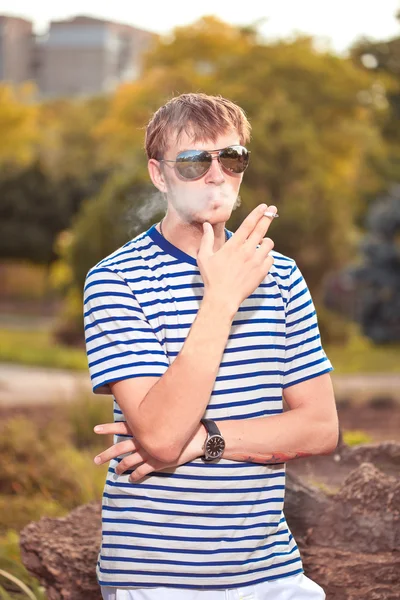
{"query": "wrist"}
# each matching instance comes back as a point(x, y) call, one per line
point(200, 439)
point(219, 307)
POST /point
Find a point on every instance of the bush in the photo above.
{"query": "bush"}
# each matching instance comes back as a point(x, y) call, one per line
point(10, 563)
point(355, 437)
point(52, 464)
point(46, 469)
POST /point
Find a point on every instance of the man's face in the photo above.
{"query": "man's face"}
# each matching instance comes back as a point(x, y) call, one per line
point(211, 197)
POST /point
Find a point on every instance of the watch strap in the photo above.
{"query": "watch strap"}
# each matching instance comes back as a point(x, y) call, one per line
point(211, 426)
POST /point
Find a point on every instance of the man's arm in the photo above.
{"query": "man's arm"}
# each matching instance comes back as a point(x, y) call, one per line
point(170, 412)
point(309, 428)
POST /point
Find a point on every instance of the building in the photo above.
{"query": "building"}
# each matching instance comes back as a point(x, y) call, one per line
point(16, 49)
point(78, 56)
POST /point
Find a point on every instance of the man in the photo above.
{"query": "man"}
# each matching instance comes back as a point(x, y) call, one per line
point(189, 321)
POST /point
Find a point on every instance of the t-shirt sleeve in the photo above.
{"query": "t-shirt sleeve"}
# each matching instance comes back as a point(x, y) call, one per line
point(120, 342)
point(304, 355)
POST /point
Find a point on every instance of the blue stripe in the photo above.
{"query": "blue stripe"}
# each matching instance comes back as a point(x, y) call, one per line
point(194, 575)
point(204, 587)
point(186, 526)
point(135, 365)
point(298, 355)
point(311, 314)
point(213, 563)
point(108, 294)
point(228, 465)
point(212, 477)
point(188, 502)
point(306, 366)
point(308, 377)
point(298, 308)
point(123, 354)
point(107, 332)
point(179, 538)
point(194, 551)
point(303, 342)
point(105, 282)
point(195, 490)
point(184, 514)
point(109, 307)
point(128, 343)
point(112, 318)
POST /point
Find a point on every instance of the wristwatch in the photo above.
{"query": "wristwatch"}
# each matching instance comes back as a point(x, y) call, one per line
point(214, 445)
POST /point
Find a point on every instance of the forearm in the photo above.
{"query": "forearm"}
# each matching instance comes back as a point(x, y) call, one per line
point(275, 439)
point(173, 407)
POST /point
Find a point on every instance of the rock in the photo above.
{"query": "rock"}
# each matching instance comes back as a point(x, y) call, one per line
point(62, 553)
point(353, 575)
point(349, 541)
point(363, 516)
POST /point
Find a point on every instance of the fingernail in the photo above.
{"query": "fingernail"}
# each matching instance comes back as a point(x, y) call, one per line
point(263, 207)
point(97, 460)
point(98, 428)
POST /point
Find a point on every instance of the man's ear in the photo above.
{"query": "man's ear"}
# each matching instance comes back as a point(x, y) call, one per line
point(156, 175)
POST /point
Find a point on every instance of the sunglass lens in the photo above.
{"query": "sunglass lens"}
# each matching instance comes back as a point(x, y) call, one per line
point(235, 158)
point(192, 164)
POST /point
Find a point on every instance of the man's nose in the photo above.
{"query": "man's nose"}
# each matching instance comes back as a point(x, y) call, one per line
point(215, 173)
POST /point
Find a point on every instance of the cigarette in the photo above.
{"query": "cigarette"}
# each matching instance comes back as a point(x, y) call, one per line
point(271, 214)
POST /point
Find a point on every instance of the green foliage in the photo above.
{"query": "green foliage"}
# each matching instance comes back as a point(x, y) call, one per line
point(10, 562)
point(30, 215)
point(47, 470)
point(43, 461)
point(109, 220)
point(360, 355)
point(37, 347)
point(83, 416)
point(16, 511)
point(355, 437)
point(19, 125)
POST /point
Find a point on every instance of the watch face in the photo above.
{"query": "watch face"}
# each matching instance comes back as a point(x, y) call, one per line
point(215, 446)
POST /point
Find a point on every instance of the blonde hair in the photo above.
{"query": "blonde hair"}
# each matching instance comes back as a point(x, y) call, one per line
point(202, 116)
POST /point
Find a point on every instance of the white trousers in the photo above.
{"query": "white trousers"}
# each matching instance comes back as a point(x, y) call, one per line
point(295, 587)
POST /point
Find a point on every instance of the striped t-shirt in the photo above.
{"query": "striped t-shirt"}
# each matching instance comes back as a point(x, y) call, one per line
point(200, 525)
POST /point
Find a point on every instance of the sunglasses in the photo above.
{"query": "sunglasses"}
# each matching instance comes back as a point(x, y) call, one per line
point(192, 164)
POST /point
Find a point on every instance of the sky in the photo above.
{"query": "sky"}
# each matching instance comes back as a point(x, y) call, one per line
point(336, 23)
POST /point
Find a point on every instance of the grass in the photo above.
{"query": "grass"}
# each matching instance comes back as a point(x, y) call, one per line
point(361, 355)
point(36, 347)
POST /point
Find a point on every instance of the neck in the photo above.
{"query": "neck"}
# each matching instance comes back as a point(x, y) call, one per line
point(188, 237)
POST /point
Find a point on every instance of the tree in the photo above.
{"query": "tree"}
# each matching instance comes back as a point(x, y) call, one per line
point(314, 139)
point(369, 292)
point(31, 214)
point(18, 125)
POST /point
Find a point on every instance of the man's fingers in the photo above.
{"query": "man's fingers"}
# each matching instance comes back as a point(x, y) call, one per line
point(262, 227)
point(114, 451)
point(131, 461)
point(119, 427)
point(248, 225)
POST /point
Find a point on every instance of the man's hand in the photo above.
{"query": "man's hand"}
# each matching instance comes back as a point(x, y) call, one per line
point(140, 460)
point(233, 272)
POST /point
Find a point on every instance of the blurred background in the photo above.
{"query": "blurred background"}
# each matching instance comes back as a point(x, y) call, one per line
point(320, 83)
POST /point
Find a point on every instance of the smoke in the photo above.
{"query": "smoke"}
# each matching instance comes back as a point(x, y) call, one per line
point(145, 208)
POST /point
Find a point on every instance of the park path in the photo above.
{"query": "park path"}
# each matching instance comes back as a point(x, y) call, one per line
point(21, 384)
